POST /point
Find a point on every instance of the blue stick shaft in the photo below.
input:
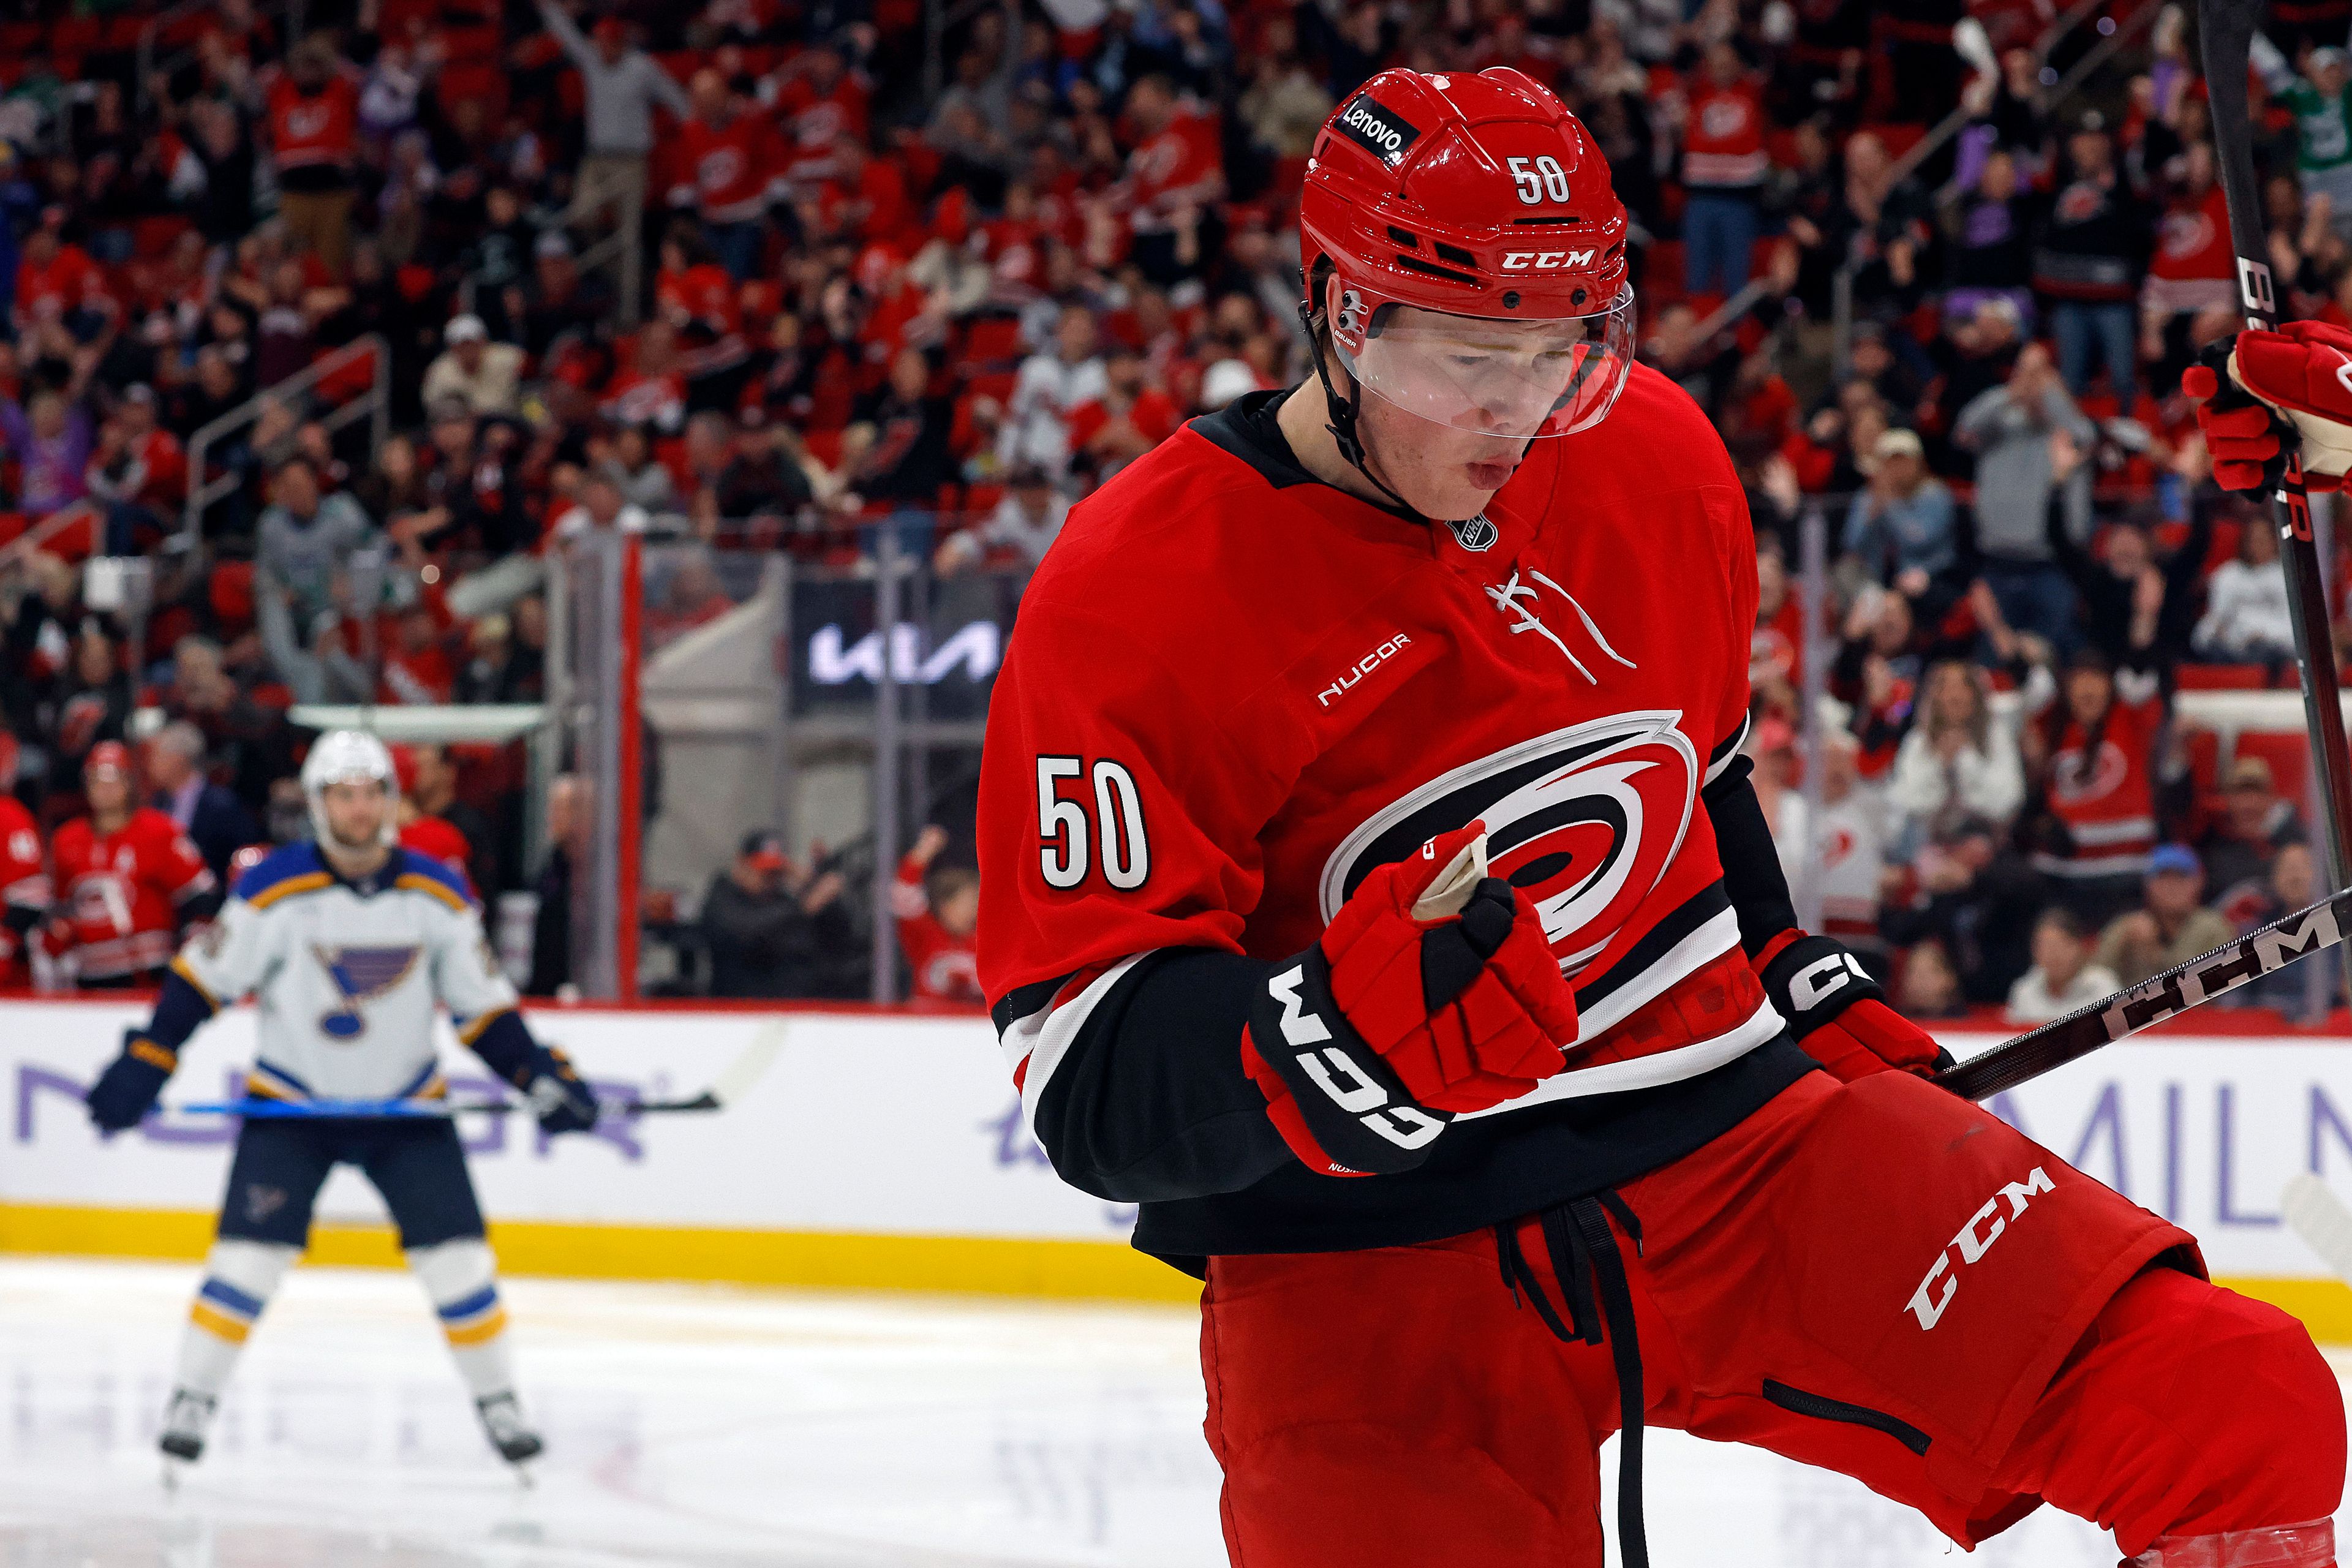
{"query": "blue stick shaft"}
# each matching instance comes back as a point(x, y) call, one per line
point(300, 1110)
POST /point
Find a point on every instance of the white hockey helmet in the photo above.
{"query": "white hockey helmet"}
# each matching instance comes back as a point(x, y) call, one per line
point(341, 755)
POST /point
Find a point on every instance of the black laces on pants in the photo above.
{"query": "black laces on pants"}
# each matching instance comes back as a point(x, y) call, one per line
point(1594, 1290)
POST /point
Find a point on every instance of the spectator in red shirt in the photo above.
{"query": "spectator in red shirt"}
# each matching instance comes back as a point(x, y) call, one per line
point(314, 128)
point(937, 908)
point(56, 281)
point(728, 166)
point(1127, 420)
point(1723, 166)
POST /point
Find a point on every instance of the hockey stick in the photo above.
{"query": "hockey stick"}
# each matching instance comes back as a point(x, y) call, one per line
point(2265, 950)
point(2226, 29)
point(2321, 1218)
point(728, 1088)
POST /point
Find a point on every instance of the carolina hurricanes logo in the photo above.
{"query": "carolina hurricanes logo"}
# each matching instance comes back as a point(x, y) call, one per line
point(819, 124)
point(2186, 234)
point(1836, 847)
point(1723, 116)
point(1584, 820)
point(305, 120)
point(2080, 202)
point(722, 167)
point(2073, 784)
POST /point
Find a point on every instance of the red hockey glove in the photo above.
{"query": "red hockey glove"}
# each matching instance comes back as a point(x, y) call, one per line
point(1837, 1012)
point(2261, 393)
point(1431, 993)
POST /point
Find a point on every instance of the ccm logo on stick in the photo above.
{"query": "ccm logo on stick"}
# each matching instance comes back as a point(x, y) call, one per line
point(1545, 260)
point(1336, 1073)
point(1936, 1291)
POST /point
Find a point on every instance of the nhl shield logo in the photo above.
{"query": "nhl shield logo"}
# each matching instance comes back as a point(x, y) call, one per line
point(1476, 534)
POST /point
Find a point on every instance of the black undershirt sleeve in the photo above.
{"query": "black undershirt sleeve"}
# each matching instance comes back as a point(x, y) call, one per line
point(1751, 867)
point(1151, 1101)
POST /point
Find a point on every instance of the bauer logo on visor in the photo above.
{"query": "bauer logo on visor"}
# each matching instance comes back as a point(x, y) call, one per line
point(1377, 131)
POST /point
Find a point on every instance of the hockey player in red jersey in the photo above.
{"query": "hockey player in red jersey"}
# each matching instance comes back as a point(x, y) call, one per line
point(1372, 890)
point(127, 881)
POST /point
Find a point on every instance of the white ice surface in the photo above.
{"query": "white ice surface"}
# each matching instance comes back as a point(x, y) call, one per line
point(708, 1427)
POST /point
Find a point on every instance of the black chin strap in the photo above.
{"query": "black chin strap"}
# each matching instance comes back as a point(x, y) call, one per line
point(1344, 412)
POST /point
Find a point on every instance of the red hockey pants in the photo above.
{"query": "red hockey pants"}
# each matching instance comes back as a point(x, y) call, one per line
point(1876, 1278)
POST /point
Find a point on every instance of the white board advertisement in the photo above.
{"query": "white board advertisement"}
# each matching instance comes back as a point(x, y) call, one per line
point(907, 1125)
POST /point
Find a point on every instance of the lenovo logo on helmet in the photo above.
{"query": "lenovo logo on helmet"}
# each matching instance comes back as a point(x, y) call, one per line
point(1376, 129)
point(1545, 260)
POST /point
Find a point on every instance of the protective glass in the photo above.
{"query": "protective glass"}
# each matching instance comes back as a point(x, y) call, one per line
point(1510, 378)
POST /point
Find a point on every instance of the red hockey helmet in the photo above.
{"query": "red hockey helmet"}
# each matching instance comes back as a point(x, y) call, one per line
point(1480, 251)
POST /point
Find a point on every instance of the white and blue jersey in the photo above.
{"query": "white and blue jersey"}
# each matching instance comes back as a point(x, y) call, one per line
point(347, 973)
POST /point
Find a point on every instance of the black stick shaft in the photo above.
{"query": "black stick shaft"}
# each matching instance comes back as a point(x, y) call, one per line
point(2227, 27)
point(2265, 950)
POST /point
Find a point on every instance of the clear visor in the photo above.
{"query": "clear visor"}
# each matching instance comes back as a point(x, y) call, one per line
point(1516, 379)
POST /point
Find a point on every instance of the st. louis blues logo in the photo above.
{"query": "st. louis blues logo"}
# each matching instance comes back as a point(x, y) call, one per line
point(362, 975)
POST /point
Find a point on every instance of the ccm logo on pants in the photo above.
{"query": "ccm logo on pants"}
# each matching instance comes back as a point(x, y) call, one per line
point(1936, 1291)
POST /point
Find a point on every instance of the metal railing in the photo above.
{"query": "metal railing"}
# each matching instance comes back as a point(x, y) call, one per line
point(1950, 126)
point(375, 406)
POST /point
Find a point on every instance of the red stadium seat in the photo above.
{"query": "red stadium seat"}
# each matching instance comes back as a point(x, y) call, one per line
point(231, 593)
point(152, 238)
point(2288, 756)
point(2221, 676)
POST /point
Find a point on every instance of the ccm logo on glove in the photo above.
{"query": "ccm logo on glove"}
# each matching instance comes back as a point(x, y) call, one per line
point(1928, 1302)
point(1820, 981)
point(1432, 992)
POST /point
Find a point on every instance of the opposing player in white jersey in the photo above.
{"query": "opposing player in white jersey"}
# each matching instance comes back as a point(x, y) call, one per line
point(349, 941)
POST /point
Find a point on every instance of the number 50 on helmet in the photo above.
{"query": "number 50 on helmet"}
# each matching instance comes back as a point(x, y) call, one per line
point(1478, 251)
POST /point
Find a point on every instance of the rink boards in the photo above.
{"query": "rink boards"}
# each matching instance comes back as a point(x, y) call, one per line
point(888, 1149)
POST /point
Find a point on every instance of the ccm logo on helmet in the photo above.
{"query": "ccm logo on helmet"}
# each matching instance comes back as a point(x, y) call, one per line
point(1545, 260)
point(1936, 1291)
point(1336, 1073)
point(1377, 131)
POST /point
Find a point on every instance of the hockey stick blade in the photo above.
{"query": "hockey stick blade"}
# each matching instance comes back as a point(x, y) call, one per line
point(2265, 950)
point(2321, 1218)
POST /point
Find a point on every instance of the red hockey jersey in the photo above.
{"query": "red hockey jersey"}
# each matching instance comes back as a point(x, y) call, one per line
point(23, 883)
point(946, 969)
point(728, 173)
point(314, 131)
point(1234, 690)
point(2106, 800)
point(121, 892)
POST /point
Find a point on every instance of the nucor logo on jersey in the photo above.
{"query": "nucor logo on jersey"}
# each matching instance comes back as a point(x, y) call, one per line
point(2249, 957)
point(1360, 669)
point(1337, 1075)
point(1545, 260)
point(1584, 820)
point(1928, 1302)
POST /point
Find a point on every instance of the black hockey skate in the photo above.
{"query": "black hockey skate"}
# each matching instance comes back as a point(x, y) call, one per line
point(503, 1424)
point(186, 1420)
